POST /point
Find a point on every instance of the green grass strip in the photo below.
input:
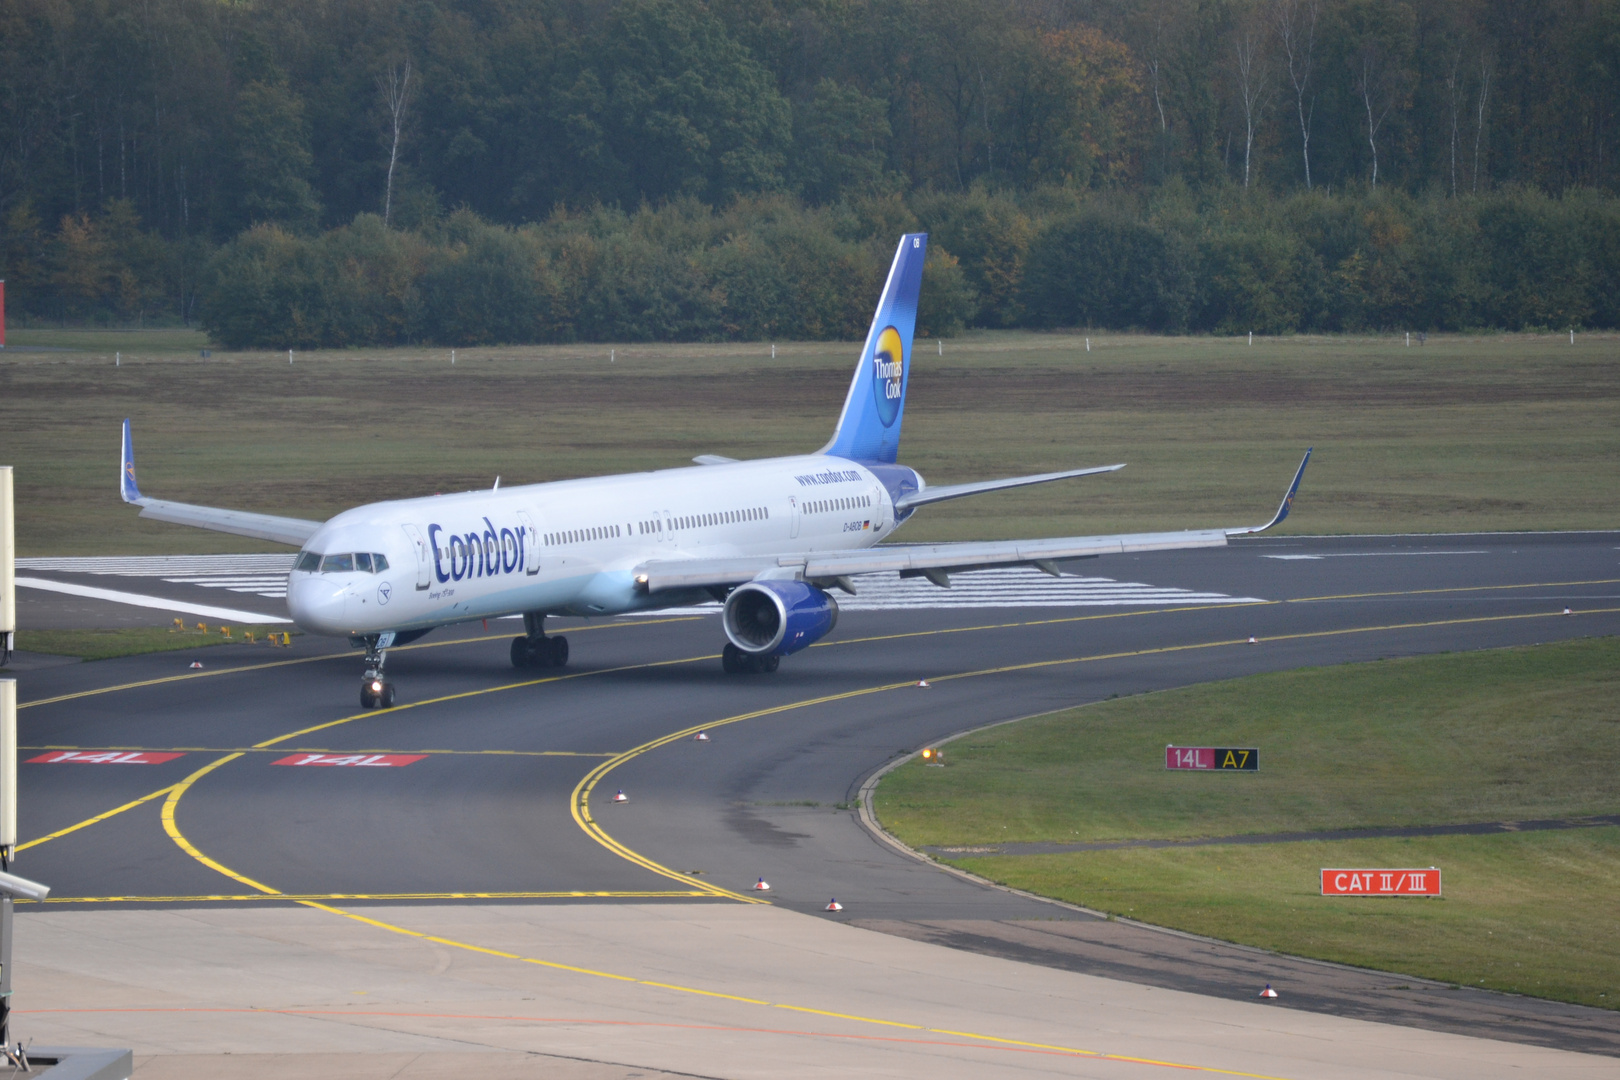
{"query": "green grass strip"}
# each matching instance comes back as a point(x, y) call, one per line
point(1501, 735)
point(128, 641)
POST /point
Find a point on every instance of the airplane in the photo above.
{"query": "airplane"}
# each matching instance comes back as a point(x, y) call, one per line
point(768, 539)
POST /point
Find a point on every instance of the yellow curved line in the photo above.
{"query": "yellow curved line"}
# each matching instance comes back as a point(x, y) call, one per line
point(579, 807)
point(579, 801)
point(87, 822)
point(172, 827)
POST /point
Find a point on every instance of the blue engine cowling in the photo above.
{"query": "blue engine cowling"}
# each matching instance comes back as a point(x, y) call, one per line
point(775, 618)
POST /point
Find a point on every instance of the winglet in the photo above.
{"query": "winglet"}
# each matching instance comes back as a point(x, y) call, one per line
point(1287, 503)
point(126, 470)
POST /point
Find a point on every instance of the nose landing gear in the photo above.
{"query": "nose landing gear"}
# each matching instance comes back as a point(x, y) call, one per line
point(534, 649)
point(376, 692)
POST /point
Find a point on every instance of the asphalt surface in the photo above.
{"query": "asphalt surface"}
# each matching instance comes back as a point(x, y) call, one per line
point(493, 807)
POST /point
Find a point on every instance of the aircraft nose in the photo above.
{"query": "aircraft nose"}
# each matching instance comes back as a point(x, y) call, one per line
point(316, 602)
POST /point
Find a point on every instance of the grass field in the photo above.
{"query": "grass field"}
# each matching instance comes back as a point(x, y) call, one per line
point(1497, 432)
point(1492, 736)
point(129, 641)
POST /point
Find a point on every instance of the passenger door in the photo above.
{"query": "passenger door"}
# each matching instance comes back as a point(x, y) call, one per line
point(424, 557)
point(531, 544)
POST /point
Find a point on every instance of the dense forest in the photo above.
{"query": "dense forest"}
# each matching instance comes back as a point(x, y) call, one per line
point(330, 172)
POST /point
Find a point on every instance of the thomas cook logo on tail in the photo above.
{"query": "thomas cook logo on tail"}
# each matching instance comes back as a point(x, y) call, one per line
point(888, 374)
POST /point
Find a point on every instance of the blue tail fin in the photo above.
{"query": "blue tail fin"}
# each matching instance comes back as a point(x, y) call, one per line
point(126, 469)
point(869, 429)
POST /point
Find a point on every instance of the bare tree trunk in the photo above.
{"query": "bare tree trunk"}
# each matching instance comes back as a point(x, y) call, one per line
point(396, 88)
point(1158, 102)
point(1454, 101)
point(1479, 122)
point(1370, 84)
point(1295, 21)
point(1252, 85)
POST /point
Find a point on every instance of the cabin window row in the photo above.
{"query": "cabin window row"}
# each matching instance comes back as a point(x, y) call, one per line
point(827, 506)
point(580, 536)
point(722, 517)
point(365, 562)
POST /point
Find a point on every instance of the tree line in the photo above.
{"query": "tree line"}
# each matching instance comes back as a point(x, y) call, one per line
point(773, 268)
point(1268, 164)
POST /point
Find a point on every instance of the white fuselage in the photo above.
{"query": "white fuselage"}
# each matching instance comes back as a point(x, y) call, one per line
point(571, 547)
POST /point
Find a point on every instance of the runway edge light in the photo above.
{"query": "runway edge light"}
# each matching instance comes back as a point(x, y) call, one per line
point(8, 569)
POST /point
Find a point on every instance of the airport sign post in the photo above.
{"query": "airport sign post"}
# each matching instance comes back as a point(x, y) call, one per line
point(1407, 882)
point(1212, 758)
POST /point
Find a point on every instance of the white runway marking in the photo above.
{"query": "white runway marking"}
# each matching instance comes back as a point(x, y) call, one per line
point(1008, 587)
point(137, 600)
point(261, 575)
point(1004, 588)
point(1367, 554)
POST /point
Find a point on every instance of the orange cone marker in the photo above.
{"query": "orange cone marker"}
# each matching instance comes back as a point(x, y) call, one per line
point(1254, 641)
point(621, 796)
point(833, 905)
point(923, 683)
point(1268, 992)
point(762, 885)
point(702, 736)
point(1568, 612)
point(196, 663)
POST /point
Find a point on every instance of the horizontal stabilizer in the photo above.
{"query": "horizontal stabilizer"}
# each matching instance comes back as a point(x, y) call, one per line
point(958, 491)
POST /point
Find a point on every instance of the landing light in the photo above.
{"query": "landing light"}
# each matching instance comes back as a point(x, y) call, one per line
point(376, 686)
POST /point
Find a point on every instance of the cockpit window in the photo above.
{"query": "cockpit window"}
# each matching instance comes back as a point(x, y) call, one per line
point(348, 563)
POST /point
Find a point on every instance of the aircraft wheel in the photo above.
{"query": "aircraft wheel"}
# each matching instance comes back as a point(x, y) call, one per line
point(769, 664)
point(559, 651)
point(521, 656)
point(386, 700)
point(732, 660)
point(367, 699)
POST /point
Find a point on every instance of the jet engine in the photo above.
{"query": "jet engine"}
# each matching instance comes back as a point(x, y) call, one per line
point(775, 618)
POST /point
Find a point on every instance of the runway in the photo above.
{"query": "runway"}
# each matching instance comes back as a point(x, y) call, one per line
point(490, 789)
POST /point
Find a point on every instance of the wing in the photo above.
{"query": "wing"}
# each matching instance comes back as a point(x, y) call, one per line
point(937, 561)
point(282, 530)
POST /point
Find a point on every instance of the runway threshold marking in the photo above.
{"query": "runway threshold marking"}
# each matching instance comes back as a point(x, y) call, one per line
point(324, 656)
point(579, 806)
point(1012, 1046)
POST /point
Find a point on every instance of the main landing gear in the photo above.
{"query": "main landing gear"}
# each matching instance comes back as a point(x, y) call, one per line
point(736, 662)
point(376, 692)
point(534, 649)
